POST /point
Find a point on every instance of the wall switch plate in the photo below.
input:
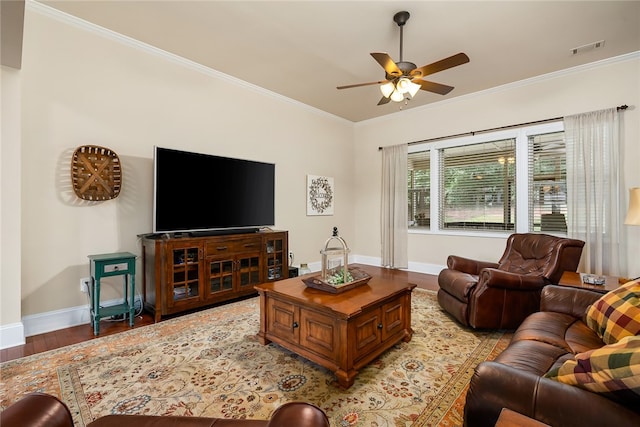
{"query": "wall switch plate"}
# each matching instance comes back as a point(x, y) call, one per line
point(84, 284)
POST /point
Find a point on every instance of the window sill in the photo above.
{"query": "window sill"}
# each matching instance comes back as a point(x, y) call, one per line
point(488, 234)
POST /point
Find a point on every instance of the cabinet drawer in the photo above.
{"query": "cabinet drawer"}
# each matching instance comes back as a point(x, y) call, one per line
point(232, 246)
point(112, 268)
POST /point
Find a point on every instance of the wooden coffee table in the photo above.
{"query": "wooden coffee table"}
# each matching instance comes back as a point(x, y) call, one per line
point(342, 332)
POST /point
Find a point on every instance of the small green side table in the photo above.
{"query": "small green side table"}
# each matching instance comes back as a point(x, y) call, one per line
point(107, 265)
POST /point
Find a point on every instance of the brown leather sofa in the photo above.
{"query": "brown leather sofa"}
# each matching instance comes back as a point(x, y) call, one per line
point(500, 295)
point(44, 410)
point(515, 379)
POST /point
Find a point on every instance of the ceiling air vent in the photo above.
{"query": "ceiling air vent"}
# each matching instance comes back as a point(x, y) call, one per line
point(586, 47)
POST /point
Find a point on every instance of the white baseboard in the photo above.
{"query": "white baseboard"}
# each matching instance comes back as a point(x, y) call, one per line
point(14, 334)
point(417, 267)
point(420, 267)
point(11, 335)
point(41, 323)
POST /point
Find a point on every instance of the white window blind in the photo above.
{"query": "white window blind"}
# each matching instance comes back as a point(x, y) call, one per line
point(477, 186)
point(548, 183)
point(419, 185)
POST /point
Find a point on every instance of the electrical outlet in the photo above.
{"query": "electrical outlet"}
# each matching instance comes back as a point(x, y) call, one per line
point(290, 257)
point(84, 284)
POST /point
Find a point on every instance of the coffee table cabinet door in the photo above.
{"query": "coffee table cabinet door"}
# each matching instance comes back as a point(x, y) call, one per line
point(319, 333)
point(282, 320)
point(393, 318)
point(367, 333)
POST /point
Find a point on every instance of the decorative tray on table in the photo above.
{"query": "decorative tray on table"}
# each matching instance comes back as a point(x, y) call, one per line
point(335, 285)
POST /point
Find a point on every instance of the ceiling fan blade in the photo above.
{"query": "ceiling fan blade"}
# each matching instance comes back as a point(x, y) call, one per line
point(387, 63)
point(443, 64)
point(433, 87)
point(384, 100)
point(362, 84)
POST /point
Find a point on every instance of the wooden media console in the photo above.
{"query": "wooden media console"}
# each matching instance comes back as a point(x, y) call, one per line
point(185, 273)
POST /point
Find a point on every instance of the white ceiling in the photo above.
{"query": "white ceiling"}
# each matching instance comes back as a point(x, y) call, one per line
point(304, 49)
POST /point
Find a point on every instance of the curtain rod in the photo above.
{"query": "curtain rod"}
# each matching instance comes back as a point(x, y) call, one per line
point(554, 119)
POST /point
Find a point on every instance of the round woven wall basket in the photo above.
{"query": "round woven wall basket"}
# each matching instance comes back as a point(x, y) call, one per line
point(96, 173)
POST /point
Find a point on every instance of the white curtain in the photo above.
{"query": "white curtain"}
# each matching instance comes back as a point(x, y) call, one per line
point(394, 207)
point(595, 191)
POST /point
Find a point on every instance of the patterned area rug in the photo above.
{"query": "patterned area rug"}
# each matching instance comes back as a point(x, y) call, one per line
point(210, 363)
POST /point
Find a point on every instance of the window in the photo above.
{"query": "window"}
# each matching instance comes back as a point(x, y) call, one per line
point(503, 182)
point(548, 183)
point(477, 186)
point(419, 182)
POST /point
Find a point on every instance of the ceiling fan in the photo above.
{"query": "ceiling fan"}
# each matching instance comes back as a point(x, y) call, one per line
point(403, 79)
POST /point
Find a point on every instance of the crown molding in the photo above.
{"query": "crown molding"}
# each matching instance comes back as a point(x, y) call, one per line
point(50, 12)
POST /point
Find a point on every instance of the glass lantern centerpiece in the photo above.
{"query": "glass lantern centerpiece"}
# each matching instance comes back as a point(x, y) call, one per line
point(335, 260)
point(336, 276)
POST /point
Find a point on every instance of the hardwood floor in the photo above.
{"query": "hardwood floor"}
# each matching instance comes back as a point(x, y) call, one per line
point(63, 337)
point(76, 334)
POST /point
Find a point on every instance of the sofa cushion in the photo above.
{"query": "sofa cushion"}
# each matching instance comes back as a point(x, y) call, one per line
point(613, 370)
point(536, 357)
point(560, 330)
point(616, 314)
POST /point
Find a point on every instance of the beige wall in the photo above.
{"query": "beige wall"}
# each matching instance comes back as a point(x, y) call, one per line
point(10, 313)
point(80, 87)
point(589, 88)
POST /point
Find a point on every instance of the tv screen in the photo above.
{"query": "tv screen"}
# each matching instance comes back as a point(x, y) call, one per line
point(201, 192)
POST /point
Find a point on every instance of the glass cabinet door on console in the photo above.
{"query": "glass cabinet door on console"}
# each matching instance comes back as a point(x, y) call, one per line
point(220, 277)
point(232, 274)
point(248, 267)
point(275, 254)
point(184, 274)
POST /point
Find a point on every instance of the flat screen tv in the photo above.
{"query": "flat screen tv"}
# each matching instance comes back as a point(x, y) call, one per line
point(207, 194)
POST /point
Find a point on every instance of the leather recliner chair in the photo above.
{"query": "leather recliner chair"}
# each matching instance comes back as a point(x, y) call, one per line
point(45, 410)
point(501, 295)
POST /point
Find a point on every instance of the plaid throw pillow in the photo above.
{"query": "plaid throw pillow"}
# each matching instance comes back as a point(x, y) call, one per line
point(616, 314)
point(613, 371)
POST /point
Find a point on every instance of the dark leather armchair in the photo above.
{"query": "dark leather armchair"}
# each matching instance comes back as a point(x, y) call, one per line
point(500, 295)
point(45, 410)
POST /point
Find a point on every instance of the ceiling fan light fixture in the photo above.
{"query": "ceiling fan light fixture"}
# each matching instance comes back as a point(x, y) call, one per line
point(397, 96)
point(387, 89)
point(403, 85)
point(413, 88)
